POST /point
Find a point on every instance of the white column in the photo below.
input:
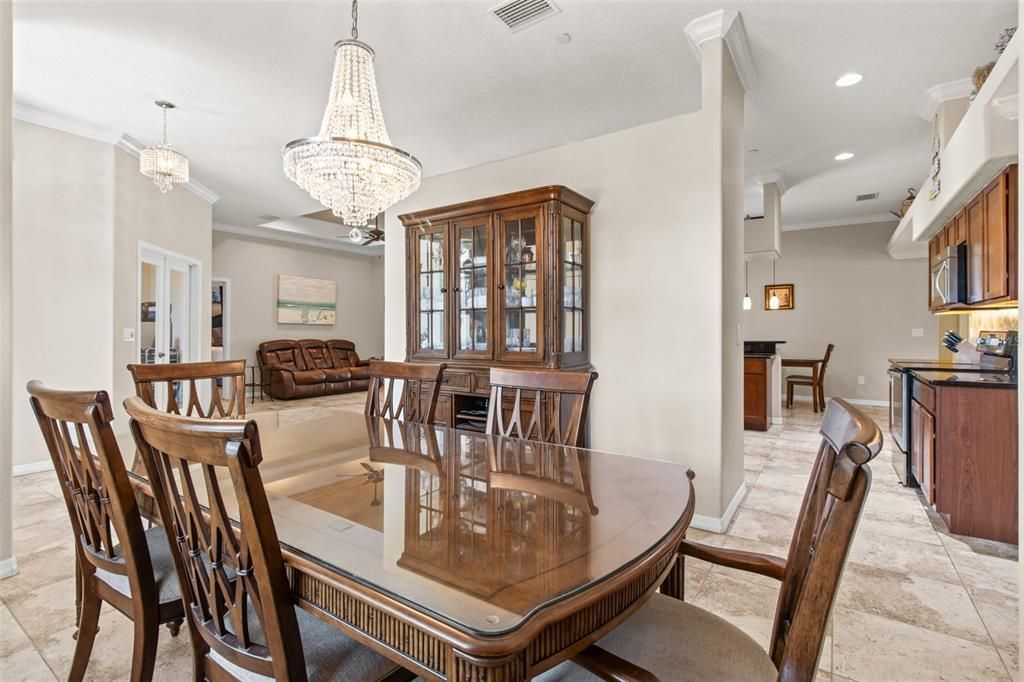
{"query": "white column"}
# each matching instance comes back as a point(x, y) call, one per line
point(8, 565)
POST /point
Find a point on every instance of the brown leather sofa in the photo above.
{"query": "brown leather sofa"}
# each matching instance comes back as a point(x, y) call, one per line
point(310, 367)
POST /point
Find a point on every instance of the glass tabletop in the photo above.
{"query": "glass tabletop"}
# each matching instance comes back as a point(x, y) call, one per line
point(479, 530)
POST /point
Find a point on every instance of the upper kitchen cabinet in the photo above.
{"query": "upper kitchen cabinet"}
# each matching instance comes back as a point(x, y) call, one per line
point(987, 229)
point(500, 281)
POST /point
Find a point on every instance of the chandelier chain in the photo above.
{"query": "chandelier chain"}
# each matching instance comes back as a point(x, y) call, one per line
point(165, 125)
point(355, 19)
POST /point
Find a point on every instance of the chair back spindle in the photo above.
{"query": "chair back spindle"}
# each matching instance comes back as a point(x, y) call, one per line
point(234, 576)
point(559, 410)
point(414, 401)
point(192, 374)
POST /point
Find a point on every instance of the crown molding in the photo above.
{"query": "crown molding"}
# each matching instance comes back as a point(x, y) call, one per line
point(134, 147)
point(778, 177)
point(839, 222)
point(1008, 106)
point(66, 124)
point(726, 24)
point(302, 240)
point(943, 92)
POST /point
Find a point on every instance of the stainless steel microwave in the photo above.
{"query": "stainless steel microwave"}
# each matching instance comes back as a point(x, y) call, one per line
point(949, 276)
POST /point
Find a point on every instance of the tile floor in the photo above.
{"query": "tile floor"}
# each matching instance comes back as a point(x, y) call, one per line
point(916, 603)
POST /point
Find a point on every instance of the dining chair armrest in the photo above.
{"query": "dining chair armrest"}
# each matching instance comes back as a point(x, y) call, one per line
point(610, 667)
point(762, 564)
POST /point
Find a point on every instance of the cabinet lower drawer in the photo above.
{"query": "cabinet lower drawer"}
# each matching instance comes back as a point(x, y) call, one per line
point(924, 394)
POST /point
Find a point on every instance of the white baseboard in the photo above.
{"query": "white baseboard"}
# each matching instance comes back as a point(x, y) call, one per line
point(852, 401)
point(32, 467)
point(720, 524)
point(8, 567)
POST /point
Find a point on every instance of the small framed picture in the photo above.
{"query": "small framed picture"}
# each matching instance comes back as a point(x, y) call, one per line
point(784, 292)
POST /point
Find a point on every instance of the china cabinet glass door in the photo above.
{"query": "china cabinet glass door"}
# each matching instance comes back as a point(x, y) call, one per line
point(573, 324)
point(520, 293)
point(431, 292)
point(472, 264)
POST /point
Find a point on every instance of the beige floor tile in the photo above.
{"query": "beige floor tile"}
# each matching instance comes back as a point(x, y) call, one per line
point(988, 569)
point(935, 605)
point(870, 648)
point(1000, 619)
point(782, 502)
point(753, 524)
point(38, 569)
point(12, 637)
point(25, 665)
point(44, 609)
point(748, 606)
point(905, 556)
point(1012, 662)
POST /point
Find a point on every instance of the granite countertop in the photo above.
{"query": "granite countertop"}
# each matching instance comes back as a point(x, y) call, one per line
point(759, 355)
point(976, 378)
point(900, 363)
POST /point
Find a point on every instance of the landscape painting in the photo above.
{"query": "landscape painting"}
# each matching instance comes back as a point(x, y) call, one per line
point(304, 300)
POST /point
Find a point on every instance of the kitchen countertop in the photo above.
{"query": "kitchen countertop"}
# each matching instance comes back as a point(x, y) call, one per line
point(759, 355)
point(900, 363)
point(976, 378)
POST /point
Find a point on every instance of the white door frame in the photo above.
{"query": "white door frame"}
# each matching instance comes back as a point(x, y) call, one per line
point(151, 253)
point(225, 314)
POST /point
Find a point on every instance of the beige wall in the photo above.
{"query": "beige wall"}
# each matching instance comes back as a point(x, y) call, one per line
point(76, 238)
point(656, 255)
point(63, 270)
point(253, 265)
point(849, 292)
point(178, 221)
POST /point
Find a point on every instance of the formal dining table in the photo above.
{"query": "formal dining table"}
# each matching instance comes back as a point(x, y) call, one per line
point(459, 555)
point(817, 396)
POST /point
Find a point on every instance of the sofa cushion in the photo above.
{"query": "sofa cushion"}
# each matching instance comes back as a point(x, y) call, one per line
point(315, 354)
point(362, 372)
point(336, 374)
point(282, 354)
point(309, 376)
point(340, 350)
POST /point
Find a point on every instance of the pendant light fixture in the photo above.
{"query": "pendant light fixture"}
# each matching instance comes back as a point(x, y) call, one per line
point(351, 167)
point(747, 303)
point(773, 300)
point(162, 163)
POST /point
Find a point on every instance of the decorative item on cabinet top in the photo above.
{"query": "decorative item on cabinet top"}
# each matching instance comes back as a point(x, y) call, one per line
point(500, 281)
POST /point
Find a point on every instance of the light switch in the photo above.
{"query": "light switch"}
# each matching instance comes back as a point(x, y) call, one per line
point(917, 332)
point(127, 334)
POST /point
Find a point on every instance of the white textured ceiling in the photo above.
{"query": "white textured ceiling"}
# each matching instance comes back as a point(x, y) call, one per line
point(459, 90)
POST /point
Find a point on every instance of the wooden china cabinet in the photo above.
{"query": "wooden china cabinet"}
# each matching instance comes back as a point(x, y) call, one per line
point(497, 282)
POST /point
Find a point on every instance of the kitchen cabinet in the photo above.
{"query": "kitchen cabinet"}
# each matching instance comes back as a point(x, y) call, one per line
point(922, 449)
point(497, 282)
point(987, 225)
point(963, 453)
point(756, 380)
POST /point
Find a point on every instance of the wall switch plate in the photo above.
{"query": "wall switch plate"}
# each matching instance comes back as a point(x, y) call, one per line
point(917, 332)
point(860, 381)
point(127, 334)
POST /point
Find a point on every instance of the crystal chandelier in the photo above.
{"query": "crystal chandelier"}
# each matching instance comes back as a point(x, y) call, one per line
point(162, 163)
point(351, 166)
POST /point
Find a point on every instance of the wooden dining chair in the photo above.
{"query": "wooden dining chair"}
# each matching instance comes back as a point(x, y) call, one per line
point(557, 412)
point(677, 641)
point(416, 399)
point(817, 383)
point(116, 561)
point(239, 603)
point(556, 473)
point(231, 372)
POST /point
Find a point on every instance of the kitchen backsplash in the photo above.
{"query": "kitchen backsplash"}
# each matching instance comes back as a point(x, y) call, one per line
point(991, 321)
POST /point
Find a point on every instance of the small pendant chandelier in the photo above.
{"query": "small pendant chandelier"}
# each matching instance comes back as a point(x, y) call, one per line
point(747, 303)
point(162, 163)
point(773, 300)
point(351, 166)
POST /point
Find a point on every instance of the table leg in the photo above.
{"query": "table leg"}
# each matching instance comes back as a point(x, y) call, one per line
point(675, 582)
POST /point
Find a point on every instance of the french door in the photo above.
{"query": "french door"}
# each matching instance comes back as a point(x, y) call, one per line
point(168, 323)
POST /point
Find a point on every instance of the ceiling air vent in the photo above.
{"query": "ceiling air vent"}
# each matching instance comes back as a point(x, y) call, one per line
point(519, 14)
point(867, 197)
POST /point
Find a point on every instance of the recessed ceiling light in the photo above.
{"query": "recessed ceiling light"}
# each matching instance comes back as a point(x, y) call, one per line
point(848, 79)
point(844, 156)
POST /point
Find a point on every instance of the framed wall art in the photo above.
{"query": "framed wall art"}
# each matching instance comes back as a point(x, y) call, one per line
point(304, 300)
point(784, 292)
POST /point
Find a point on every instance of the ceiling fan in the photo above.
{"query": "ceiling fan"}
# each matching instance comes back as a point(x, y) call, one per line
point(373, 232)
point(373, 476)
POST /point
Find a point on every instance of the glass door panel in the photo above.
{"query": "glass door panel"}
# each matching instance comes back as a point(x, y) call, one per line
point(573, 262)
point(519, 288)
point(432, 290)
point(472, 320)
